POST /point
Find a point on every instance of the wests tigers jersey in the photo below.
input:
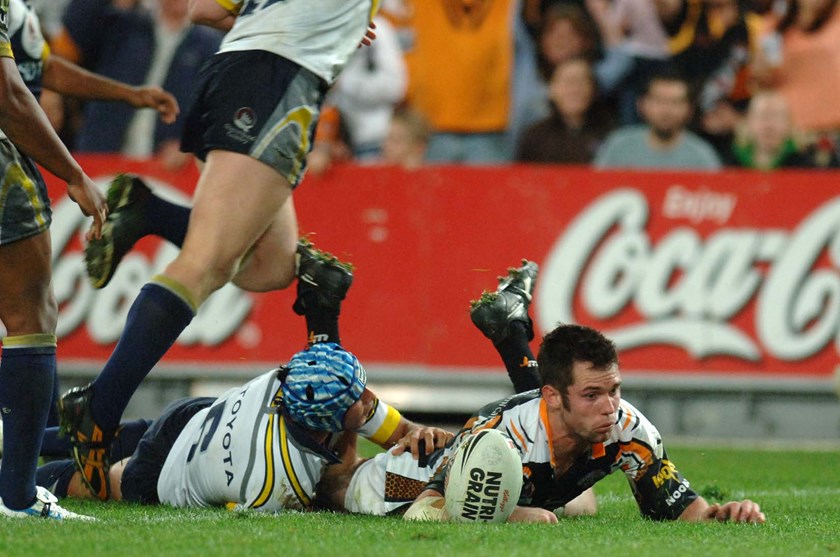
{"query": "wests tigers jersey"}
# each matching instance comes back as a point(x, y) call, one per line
point(242, 452)
point(320, 35)
point(634, 447)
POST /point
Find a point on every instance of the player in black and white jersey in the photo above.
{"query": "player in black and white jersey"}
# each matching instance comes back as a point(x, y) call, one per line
point(571, 432)
point(252, 122)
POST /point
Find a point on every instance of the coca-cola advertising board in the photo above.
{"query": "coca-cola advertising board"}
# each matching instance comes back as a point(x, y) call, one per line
point(732, 272)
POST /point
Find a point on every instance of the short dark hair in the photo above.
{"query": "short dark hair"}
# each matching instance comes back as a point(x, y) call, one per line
point(568, 344)
point(667, 73)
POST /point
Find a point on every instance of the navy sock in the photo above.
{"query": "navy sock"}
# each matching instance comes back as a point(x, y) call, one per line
point(518, 358)
point(156, 319)
point(321, 322)
point(56, 476)
point(27, 370)
point(55, 443)
point(165, 219)
point(127, 439)
point(52, 417)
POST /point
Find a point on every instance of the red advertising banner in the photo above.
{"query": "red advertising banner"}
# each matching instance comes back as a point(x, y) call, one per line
point(733, 272)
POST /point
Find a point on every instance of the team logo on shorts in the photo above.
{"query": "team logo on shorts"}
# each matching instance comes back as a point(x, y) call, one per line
point(244, 118)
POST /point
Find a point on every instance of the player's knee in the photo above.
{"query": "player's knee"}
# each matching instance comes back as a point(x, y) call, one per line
point(36, 314)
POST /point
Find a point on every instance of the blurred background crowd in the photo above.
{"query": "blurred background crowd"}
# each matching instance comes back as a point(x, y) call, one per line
point(695, 84)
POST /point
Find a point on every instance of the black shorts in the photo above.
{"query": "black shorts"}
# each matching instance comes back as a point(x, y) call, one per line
point(255, 103)
point(140, 477)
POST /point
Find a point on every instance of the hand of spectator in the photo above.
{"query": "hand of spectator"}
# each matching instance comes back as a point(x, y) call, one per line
point(735, 511)
point(152, 96)
point(370, 35)
point(434, 437)
point(91, 201)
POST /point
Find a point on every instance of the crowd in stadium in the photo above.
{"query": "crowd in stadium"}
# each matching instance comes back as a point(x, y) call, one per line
point(496, 81)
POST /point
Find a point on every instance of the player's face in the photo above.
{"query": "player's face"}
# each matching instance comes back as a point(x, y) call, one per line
point(357, 414)
point(593, 398)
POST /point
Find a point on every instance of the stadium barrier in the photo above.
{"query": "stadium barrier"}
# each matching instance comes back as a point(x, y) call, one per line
point(721, 290)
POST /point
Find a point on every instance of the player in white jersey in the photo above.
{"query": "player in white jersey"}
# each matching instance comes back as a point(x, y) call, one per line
point(263, 445)
point(252, 122)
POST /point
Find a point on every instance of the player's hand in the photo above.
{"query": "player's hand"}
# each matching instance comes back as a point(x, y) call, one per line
point(735, 511)
point(91, 201)
point(532, 514)
point(370, 35)
point(152, 96)
point(435, 438)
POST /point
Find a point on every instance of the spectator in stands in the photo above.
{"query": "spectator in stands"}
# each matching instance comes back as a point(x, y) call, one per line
point(124, 40)
point(646, 41)
point(766, 140)
point(568, 31)
point(407, 140)
point(460, 64)
point(577, 125)
point(710, 43)
point(664, 142)
point(805, 66)
point(365, 94)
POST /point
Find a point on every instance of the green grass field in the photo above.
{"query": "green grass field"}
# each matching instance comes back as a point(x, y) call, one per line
point(798, 490)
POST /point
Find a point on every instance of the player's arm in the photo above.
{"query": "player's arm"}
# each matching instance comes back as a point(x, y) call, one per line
point(65, 77)
point(219, 14)
point(733, 511)
point(25, 124)
point(386, 427)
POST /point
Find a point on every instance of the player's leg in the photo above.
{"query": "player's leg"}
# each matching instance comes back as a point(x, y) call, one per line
point(503, 318)
point(217, 239)
point(27, 368)
point(134, 212)
point(323, 282)
point(270, 263)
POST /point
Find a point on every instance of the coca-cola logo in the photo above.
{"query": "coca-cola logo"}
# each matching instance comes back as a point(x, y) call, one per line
point(687, 288)
point(103, 312)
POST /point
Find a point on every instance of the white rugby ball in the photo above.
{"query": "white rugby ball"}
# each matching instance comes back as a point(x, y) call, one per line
point(484, 479)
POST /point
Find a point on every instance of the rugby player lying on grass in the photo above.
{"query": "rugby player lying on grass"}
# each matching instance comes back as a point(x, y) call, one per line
point(570, 433)
point(263, 445)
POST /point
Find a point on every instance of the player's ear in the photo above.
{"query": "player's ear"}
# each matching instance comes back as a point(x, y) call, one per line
point(552, 396)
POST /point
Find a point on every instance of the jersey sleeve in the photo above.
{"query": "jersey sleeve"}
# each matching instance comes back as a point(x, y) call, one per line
point(661, 492)
point(5, 43)
point(381, 423)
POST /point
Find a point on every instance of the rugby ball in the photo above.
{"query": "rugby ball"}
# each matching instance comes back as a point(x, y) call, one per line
point(484, 479)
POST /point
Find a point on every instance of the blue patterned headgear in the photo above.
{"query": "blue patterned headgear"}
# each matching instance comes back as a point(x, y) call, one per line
point(322, 383)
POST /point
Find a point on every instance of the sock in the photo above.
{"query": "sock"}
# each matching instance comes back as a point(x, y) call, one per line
point(165, 219)
point(321, 323)
point(518, 358)
point(56, 476)
point(27, 369)
point(127, 439)
point(158, 316)
point(55, 443)
point(52, 417)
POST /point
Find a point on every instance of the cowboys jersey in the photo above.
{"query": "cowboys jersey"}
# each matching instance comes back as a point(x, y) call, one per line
point(634, 446)
point(320, 35)
point(242, 452)
point(28, 44)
